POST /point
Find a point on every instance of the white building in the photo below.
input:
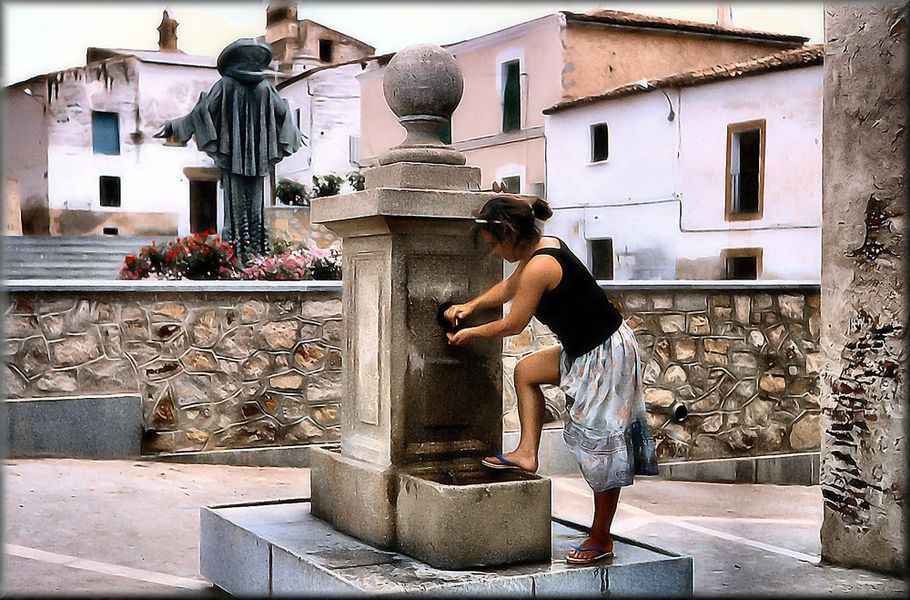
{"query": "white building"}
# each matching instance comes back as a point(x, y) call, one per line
point(86, 161)
point(81, 150)
point(326, 106)
point(707, 174)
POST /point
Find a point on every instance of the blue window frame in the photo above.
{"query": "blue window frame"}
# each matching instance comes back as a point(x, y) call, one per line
point(105, 133)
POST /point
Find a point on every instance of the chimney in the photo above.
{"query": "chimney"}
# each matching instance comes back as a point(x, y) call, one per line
point(167, 33)
point(725, 14)
point(280, 21)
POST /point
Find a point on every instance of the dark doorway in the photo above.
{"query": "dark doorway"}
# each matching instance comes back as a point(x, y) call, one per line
point(602, 258)
point(203, 206)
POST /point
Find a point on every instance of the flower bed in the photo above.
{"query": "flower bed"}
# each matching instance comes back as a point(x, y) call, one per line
point(204, 256)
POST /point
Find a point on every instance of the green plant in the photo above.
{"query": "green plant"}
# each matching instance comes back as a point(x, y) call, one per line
point(327, 185)
point(356, 179)
point(324, 264)
point(292, 193)
point(282, 246)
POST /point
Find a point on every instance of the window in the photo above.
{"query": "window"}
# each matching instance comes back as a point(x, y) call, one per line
point(602, 258)
point(745, 170)
point(105, 133)
point(297, 117)
point(742, 263)
point(109, 191)
point(511, 96)
point(539, 189)
point(511, 185)
point(600, 146)
point(325, 50)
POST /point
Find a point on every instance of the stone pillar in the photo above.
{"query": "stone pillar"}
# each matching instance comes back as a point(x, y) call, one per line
point(863, 275)
point(419, 414)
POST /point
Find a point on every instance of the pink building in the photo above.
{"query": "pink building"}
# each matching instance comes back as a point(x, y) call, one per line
point(513, 74)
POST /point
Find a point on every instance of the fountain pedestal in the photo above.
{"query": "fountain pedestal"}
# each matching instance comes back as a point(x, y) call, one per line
point(420, 414)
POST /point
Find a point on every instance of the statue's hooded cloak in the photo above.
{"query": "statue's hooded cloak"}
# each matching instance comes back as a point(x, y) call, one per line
point(245, 127)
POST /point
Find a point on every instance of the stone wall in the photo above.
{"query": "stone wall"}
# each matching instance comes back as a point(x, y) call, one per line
point(214, 369)
point(744, 361)
point(863, 250)
point(292, 223)
point(220, 367)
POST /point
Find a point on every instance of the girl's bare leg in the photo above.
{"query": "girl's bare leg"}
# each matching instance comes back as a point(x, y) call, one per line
point(604, 510)
point(530, 373)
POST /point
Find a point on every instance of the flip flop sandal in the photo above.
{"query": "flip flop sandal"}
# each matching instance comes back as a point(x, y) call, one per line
point(587, 561)
point(504, 465)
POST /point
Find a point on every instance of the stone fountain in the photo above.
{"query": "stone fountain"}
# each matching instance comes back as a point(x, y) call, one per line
point(404, 505)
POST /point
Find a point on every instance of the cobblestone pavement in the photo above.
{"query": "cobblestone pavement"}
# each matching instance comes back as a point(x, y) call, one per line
point(132, 527)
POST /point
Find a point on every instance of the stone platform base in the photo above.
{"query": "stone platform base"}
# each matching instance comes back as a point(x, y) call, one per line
point(280, 549)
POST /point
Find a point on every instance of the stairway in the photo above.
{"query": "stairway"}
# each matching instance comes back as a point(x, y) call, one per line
point(64, 257)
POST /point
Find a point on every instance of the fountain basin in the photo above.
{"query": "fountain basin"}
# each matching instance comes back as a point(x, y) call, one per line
point(467, 518)
point(454, 515)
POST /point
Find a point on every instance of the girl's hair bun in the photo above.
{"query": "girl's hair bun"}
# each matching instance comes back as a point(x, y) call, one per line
point(541, 209)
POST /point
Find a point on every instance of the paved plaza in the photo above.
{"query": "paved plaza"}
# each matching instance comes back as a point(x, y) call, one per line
point(132, 527)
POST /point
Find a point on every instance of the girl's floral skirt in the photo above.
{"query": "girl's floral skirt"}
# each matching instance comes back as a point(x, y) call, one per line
point(606, 425)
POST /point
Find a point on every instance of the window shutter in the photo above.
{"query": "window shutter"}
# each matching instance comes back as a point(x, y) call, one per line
point(511, 98)
point(105, 133)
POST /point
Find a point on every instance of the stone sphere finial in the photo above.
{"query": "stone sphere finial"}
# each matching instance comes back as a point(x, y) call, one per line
point(423, 86)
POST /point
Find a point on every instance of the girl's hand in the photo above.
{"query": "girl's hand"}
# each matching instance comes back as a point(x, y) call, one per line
point(457, 313)
point(460, 338)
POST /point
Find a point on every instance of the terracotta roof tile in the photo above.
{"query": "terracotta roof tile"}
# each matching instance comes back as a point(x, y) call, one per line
point(615, 17)
point(788, 59)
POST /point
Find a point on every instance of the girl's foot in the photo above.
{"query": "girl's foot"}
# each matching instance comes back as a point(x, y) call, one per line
point(525, 463)
point(591, 549)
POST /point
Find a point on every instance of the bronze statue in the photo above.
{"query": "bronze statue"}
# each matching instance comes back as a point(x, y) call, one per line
point(245, 126)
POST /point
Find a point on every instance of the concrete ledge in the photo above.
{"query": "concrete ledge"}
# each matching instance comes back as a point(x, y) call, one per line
point(281, 456)
point(181, 285)
point(227, 285)
point(79, 427)
point(280, 549)
point(781, 469)
point(799, 468)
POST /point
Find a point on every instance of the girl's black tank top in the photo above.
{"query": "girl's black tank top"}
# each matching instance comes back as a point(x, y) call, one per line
point(577, 310)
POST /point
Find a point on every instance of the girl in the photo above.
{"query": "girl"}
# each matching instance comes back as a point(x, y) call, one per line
point(596, 364)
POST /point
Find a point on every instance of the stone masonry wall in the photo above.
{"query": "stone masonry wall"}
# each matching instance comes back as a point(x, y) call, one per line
point(214, 370)
point(863, 476)
point(744, 362)
point(292, 223)
point(234, 370)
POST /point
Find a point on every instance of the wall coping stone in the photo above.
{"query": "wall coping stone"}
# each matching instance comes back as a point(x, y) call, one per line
point(710, 284)
point(182, 285)
point(185, 285)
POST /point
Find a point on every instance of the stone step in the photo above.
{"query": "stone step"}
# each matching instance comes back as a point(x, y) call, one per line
point(67, 257)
